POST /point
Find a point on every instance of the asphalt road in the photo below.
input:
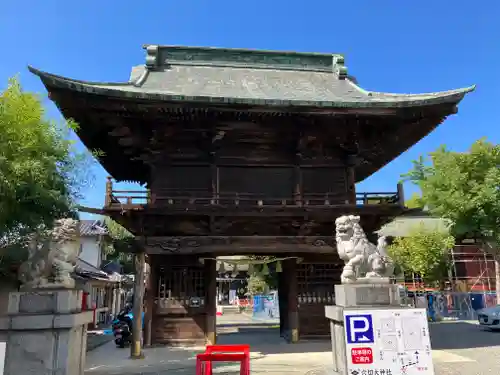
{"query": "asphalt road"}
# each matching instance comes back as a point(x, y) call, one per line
point(473, 350)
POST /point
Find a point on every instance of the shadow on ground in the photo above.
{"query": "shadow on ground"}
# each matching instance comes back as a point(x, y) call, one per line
point(265, 340)
point(462, 335)
point(94, 341)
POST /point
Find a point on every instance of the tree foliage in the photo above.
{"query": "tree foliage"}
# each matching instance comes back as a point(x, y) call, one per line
point(415, 201)
point(256, 284)
point(40, 170)
point(120, 239)
point(115, 230)
point(463, 187)
point(423, 252)
point(271, 279)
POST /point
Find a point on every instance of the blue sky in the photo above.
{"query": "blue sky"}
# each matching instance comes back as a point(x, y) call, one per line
point(393, 46)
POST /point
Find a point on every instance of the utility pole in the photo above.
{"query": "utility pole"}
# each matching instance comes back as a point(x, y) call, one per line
point(136, 347)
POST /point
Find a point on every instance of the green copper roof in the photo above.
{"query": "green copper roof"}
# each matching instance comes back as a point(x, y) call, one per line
point(235, 76)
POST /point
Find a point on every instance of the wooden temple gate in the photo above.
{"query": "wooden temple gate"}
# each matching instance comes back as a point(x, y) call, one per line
point(243, 152)
point(181, 298)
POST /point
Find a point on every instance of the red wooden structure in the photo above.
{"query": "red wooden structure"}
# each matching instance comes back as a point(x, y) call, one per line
point(223, 353)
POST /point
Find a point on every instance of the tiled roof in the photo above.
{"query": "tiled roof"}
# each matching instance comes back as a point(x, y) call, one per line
point(268, 78)
point(83, 266)
point(92, 228)
point(87, 270)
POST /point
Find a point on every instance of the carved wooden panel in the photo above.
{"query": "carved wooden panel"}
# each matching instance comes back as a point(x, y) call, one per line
point(238, 244)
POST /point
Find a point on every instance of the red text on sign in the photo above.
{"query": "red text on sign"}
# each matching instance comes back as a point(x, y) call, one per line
point(361, 356)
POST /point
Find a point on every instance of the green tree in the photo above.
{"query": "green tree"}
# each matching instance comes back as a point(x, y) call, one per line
point(423, 252)
point(120, 248)
point(41, 171)
point(271, 279)
point(415, 201)
point(465, 188)
point(256, 284)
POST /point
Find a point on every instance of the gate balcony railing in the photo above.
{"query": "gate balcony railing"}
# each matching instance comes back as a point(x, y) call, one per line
point(198, 198)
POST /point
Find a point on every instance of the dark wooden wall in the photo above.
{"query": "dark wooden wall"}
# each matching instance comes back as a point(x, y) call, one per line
point(268, 181)
point(181, 178)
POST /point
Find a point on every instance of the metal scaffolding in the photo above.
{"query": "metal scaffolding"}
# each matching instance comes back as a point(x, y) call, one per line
point(473, 268)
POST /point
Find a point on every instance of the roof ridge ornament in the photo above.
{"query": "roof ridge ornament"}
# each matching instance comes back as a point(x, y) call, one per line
point(338, 66)
point(152, 56)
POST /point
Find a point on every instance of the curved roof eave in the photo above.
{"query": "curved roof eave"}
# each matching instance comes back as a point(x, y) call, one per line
point(132, 90)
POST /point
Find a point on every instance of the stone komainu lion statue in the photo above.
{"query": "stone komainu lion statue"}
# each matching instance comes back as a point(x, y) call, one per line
point(51, 262)
point(362, 258)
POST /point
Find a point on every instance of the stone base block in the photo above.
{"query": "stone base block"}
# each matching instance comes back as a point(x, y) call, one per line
point(367, 295)
point(45, 333)
point(45, 302)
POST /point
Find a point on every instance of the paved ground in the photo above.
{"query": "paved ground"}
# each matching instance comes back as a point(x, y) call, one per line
point(458, 349)
point(465, 349)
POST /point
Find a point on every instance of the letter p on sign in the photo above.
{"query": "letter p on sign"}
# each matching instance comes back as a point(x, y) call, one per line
point(359, 329)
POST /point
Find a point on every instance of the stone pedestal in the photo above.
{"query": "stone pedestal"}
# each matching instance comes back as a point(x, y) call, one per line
point(45, 332)
point(352, 297)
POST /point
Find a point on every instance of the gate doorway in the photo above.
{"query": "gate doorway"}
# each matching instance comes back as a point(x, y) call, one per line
point(193, 302)
point(245, 314)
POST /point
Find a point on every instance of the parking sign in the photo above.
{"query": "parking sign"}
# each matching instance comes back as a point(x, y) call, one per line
point(359, 329)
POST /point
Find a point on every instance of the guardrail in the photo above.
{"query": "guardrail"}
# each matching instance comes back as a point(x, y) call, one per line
point(168, 197)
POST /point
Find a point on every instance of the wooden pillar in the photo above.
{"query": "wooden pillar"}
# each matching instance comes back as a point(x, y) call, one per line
point(290, 269)
point(210, 300)
point(109, 191)
point(401, 195)
point(298, 179)
point(109, 293)
point(282, 299)
point(135, 348)
point(151, 293)
point(351, 185)
point(117, 300)
point(214, 173)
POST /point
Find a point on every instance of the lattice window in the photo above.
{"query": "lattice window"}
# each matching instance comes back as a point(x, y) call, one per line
point(177, 285)
point(316, 282)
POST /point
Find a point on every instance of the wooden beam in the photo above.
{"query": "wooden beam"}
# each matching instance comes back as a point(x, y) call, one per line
point(319, 212)
point(238, 245)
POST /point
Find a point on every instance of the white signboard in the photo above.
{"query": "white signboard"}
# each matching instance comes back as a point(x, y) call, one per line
point(388, 342)
point(3, 349)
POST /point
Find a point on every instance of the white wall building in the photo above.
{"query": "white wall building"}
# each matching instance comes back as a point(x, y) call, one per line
point(102, 290)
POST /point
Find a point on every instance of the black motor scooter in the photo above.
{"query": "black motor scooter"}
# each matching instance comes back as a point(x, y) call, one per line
point(122, 327)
